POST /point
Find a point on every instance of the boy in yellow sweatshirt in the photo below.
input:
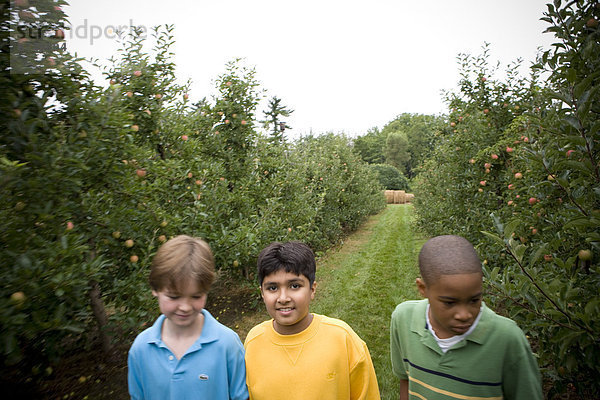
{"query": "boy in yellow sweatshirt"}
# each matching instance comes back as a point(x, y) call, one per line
point(298, 354)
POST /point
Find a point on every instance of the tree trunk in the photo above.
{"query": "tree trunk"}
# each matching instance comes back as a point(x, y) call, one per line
point(99, 314)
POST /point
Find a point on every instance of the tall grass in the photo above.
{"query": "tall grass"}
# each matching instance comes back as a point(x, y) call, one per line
point(362, 283)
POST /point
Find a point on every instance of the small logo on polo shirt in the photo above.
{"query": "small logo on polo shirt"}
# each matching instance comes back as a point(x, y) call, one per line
point(203, 377)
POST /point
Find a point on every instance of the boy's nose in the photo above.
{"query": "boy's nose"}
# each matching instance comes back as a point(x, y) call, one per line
point(283, 296)
point(463, 315)
point(185, 305)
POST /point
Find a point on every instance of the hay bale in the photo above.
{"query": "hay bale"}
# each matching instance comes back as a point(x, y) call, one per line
point(409, 197)
point(389, 196)
point(399, 196)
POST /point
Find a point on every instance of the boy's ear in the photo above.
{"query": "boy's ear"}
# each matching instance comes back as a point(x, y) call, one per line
point(422, 287)
point(313, 288)
point(154, 293)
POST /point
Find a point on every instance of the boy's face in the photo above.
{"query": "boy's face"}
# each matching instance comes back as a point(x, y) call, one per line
point(287, 297)
point(182, 306)
point(454, 302)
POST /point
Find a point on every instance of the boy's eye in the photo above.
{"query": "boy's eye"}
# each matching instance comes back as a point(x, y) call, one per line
point(295, 286)
point(271, 288)
point(172, 296)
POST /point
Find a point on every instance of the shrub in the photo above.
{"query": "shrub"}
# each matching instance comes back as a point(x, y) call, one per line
point(390, 177)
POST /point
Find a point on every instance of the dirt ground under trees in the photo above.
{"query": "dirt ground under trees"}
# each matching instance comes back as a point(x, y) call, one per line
point(93, 375)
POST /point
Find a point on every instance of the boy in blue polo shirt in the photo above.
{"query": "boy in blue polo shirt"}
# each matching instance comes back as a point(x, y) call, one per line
point(451, 345)
point(186, 354)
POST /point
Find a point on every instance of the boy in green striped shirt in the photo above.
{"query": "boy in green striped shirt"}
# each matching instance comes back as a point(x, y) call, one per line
point(450, 345)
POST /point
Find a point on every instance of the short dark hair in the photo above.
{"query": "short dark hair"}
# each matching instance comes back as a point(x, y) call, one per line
point(447, 255)
point(294, 257)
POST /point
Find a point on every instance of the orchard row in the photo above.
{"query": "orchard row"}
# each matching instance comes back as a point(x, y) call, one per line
point(516, 170)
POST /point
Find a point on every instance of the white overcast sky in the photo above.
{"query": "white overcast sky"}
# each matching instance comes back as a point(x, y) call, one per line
point(343, 66)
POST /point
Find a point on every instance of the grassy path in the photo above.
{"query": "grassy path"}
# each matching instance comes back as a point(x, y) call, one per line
point(362, 282)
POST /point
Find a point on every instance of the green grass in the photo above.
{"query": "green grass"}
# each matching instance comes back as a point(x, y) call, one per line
point(363, 281)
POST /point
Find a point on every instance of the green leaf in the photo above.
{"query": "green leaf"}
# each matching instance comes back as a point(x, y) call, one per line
point(571, 75)
point(511, 227)
point(573, 121)
point(580, 223)
point(519, 251)
point(495, 238)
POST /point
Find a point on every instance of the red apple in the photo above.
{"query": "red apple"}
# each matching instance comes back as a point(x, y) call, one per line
point(532, 200)
point(472, 161)
point(129, 243)
point(226, 121)
point(487, 165)
point(158, 96)
point(184, 137)
point(70, 225)
point(483, 79)
point(569, 152)
point(482, 183)
point(494, 156)
point(510, 202)
point(243, 122)
point(228, 83)
point(518, 175)
point(59, 34)
point(140, 172)
point(511, 186)
point(485, 110)
point(509, 149)
point(134, 258)
point(162, 238)
point(135, 128)
point(137, 73)
point(452, 124)
point(129, 94)
point(186, 96)
point(548, 257)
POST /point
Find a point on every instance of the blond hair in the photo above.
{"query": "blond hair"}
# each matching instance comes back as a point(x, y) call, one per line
point(181, 259)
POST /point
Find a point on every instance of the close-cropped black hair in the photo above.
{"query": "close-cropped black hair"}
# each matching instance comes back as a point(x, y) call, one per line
point(295, 257)
point(447, 255)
